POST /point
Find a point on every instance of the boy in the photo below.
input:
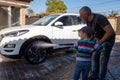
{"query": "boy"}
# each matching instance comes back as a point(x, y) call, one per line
point(85, 48)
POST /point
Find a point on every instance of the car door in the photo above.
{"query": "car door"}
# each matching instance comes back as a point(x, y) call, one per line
point(67, 34)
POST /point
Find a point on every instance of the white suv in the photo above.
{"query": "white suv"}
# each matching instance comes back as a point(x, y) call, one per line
point(56, 29)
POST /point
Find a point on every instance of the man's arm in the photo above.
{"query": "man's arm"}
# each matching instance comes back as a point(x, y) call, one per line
point(108, 33)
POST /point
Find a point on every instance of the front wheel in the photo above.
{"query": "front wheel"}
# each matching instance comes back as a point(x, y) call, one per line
point(35, 54)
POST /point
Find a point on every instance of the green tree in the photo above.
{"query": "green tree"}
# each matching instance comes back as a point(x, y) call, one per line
point(30, 12)
point(113, 14)
point(55, 6)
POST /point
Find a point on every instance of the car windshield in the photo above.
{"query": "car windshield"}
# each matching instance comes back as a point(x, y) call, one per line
point(45, 20)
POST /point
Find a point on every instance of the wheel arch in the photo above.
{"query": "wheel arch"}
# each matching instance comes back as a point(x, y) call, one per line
point(40, 37)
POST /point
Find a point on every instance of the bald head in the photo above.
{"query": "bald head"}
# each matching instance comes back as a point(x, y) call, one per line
point(85, 9)
point(85, 13)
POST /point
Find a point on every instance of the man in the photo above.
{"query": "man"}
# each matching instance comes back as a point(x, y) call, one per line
point(104, 35)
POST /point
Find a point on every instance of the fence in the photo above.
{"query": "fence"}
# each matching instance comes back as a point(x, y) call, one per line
point(115, 22)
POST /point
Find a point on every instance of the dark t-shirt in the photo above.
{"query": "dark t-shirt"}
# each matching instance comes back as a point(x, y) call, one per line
point(98, 23)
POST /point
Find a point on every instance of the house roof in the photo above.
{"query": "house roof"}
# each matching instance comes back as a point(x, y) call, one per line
point(19, 3)
point(25, 0)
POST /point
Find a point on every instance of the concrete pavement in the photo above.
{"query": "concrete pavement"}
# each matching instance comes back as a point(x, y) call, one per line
point(57, 67)
point(114, 62)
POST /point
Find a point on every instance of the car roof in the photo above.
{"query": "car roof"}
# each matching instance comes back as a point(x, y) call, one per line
point(65, 14)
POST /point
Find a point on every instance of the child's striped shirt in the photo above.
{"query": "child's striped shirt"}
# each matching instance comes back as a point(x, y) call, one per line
point(85, 50)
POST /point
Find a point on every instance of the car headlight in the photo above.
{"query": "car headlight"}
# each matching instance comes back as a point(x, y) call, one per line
point(16, 33)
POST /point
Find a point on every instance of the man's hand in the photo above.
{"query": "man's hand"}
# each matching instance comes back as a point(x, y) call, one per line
point(98, 47)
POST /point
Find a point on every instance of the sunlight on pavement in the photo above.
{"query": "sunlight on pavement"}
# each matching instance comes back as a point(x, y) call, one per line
point(5, 59)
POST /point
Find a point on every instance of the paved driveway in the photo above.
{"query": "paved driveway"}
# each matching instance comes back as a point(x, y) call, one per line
point(11, 69)
point(57, 67)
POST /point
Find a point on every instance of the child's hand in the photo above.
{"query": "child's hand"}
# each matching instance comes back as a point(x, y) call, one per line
point(98, 47)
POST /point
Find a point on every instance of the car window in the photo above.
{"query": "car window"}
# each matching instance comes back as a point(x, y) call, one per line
point(65, 20)
point(75, 20)
point(45, 20)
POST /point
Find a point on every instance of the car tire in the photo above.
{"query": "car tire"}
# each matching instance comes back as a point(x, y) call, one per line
point(35, 54)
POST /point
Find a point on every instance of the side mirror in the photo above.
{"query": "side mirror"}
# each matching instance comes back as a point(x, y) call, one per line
point(58, 24)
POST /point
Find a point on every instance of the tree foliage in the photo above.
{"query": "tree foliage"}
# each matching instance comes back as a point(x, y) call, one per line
point(55, 6)
point(30, 12)
point(113, 14)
